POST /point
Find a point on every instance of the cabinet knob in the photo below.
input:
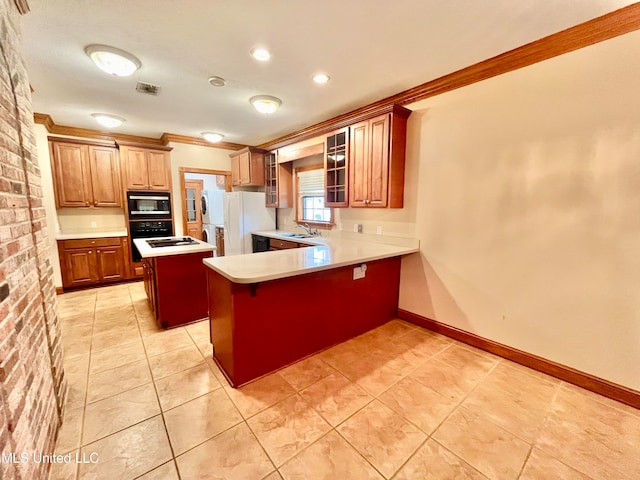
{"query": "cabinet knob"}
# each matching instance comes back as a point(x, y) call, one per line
point(93, 242)
point(98, 251)
point(86, 203)
point(90, 252)
point(95, 203)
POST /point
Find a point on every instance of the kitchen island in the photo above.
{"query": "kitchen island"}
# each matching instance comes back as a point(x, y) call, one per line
point(270, 309)
point(175, 279)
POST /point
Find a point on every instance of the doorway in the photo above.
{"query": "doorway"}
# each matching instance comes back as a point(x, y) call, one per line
point(193, 181)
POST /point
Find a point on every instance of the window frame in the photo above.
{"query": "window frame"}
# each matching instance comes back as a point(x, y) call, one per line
point(299, 205)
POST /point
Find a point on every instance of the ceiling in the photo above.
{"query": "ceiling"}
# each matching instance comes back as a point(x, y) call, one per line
point(371, 50)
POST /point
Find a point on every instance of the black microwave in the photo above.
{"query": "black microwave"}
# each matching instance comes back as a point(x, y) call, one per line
point(147, 205)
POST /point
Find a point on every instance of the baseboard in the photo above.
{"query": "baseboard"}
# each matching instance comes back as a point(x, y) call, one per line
point(59, 291)
point(568, 374)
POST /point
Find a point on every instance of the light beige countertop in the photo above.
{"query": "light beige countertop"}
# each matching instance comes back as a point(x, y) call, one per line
point(91, 233)
point(148, 252)
point(292, 237)
point(327, 253)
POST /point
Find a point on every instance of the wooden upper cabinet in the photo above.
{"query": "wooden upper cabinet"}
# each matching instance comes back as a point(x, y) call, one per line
point(247, 167)
point(278, 182)
point(105, 177)
point(85, 175)
point(146, 168)
point(336, 169)
point(376, 160)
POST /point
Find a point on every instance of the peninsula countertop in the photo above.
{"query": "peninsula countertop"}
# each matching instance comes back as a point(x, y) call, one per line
point(328, 253)
point(93, 233)
point(148, 252)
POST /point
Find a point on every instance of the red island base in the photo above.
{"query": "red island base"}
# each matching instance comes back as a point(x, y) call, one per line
point(261, 327)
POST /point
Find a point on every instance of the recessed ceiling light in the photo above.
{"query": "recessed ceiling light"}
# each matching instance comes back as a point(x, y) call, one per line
point(260, 54)
point(217, 81)
point(321, 78)
point(106, 120)
point(212, 137)
point(265, 103)
point(113, 60)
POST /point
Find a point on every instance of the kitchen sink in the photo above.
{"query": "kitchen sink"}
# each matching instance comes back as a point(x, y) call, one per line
point(296, 235)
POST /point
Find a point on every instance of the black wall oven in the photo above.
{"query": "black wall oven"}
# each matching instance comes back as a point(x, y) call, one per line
point(149, 205)
point(148, 229)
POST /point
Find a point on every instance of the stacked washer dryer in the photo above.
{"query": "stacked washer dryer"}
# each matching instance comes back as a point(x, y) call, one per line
point(212, 214)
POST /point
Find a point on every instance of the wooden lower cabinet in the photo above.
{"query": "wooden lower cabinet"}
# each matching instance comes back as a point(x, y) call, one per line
point(277, 244)
point(93, 261)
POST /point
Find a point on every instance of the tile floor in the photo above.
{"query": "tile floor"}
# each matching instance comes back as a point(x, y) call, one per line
point(396, 403)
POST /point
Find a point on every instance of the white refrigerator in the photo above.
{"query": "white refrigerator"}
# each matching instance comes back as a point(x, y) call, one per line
point(244, 212)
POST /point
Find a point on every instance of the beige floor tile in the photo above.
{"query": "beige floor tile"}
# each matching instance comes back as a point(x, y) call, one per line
point(199, 331)
point(76, 368)
point(384, 438)
point(273, 476)
point(377, 372)
point(64, 471)
point(206, 349)
point(260, 394)
point(233, 455)
point(417, 346)
point(175, 361)
point(330, 458)
point(569, 390)
point(447, 380)
point(167, 341)
point(166, 471)
point(216, 371)
point(434, 462)
point(198, 420)
point(521, 382)
point(462, 357)
point(343, 353)
point(183, 386)
point(116, 357)
point(70, 431)
point(111, 382)
point(596, 439)
point(73, 332)
point(419, 404)
point(287, 427)
point(76, 392)
point(490, 449)
point(524, 416)
point(129, 453)
point(115, 337)
point(305, 372)
point(541, 466)
point(113, 324)
point(115, 413)
point(336, 398)
point(394, 329)
point(75, 347)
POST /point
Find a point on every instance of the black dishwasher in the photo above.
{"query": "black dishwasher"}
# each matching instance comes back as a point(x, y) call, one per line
point(260, 243)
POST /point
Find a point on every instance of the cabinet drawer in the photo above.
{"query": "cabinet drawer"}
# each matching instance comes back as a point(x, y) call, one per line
point(282, 244)
point(91, 242)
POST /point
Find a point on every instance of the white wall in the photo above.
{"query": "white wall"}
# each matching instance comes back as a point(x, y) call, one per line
point(528, 211)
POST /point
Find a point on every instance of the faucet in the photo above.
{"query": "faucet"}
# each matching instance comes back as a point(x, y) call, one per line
point(310, 231)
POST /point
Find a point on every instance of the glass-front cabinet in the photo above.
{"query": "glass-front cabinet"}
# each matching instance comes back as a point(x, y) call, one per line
point(271, 179)
point(336, 169)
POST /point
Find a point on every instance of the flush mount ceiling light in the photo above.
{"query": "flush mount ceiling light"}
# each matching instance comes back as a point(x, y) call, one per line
point(212, 137)
point(260, 54)
point(217, 81)
point(106, 120)
point(321, 78)
point(265, 103)
point(113, 60)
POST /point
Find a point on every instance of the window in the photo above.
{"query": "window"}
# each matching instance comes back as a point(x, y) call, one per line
point(310, 192)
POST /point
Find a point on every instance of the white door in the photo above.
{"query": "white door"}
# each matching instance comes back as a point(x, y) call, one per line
point(232, 224)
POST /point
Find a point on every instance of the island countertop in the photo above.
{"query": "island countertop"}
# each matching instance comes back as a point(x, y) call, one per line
point(331, 253)
point(149, 252)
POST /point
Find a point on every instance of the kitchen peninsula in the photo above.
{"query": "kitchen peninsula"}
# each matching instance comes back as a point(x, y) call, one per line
point(174, 278)
point(270, 309)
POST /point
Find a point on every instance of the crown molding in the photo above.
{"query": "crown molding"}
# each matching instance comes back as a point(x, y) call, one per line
point(606, 27)
point(52, 127)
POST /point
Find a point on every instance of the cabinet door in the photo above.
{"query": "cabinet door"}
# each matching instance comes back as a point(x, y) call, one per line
point(80, 267)
point(105, 177)
point(159, 170)
point(359, 165)
point(336, 168)
point(135, 168)
point(111, 265)
point(378, 164)
point(235, 171)
point(244, 166)
point(72, 182)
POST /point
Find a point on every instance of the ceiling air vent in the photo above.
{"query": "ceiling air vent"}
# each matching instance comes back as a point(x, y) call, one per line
point(147, 88)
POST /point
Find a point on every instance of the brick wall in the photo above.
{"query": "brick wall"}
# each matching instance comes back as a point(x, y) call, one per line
point(32, 385)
